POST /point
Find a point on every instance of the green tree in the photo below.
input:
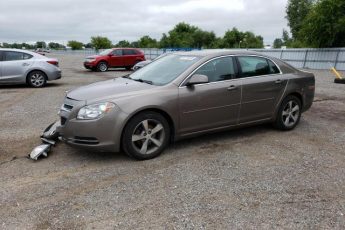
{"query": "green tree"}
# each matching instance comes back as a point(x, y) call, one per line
point(237, 39)
point(55, 45)
point(278, 43)
point(324, 26)
point(296, 12)
point(123, 43)
point(41, 44)
point(147, 42)
point(203, 39)
point(75, 45)
point(99, 42)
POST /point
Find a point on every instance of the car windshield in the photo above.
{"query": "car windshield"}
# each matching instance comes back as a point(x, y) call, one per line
point(105, 52)
point(165, 69)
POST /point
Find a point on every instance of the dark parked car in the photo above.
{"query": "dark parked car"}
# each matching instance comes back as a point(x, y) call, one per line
point(118, 57)
point(183, 95)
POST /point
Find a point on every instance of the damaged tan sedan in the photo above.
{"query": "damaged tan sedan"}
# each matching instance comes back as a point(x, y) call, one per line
point(183, 95)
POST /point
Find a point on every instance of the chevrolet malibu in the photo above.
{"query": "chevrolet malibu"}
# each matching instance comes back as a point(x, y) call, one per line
point(21, 66)
point(184, 95)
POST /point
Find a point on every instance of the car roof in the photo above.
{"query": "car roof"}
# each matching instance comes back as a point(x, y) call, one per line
point(218, 52)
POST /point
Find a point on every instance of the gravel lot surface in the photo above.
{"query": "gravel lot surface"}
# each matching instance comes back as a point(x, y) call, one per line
point(250, 178)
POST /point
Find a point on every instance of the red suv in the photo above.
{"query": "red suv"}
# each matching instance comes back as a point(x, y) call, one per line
point(117, 57)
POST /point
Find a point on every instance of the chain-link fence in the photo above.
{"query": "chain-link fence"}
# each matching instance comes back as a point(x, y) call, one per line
point(300, 58)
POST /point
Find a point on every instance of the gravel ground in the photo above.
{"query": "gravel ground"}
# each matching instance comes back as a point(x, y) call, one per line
point(251, 178)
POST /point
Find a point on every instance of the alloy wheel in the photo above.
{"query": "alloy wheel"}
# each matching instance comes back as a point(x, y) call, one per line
point(290, 113)
point(37, 79)
point(148, 136)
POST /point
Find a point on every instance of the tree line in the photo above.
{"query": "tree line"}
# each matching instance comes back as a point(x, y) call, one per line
point(183, 35)
point(314, 23)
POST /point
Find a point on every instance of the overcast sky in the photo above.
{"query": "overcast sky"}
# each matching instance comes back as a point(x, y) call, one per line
point(63, 20)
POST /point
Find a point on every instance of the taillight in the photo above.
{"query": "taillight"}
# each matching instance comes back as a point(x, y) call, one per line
point(56, 63)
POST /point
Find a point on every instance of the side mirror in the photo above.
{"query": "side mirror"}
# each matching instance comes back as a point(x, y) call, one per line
point(110, 55)
point(197, 79)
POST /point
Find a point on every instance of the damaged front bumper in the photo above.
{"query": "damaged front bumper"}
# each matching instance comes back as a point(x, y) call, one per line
point(49, 137)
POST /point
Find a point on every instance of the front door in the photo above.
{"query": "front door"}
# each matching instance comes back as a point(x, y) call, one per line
point(212, 105)
point(116, 58)
point(262, 88)
point(15, 65)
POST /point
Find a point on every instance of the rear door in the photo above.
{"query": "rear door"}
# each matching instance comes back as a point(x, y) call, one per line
point(214, 104)
point(262, 87)
point(116, 58)
point(15, 66)
point(130, 57)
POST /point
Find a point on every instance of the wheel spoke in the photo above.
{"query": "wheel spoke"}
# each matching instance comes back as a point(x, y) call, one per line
point(295, 109)
point(287, 121)
point(294, 117)
point(156, 142)
point(285, 113)
point(145, 124)
point(137, 137)
point(290, 105)
point(156, 129)
point(143, 149)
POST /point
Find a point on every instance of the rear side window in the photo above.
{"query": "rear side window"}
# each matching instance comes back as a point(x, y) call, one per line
point(253, 66)
point(129, 52)
point(15, 56)
point(273, 68)
point(218, 70)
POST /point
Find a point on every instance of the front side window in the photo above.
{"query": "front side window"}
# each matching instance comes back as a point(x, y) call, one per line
point(254, 66)
point(165, 69)
point(117, 52)
point(218, 70)
point(105, 52)
point(15, 56)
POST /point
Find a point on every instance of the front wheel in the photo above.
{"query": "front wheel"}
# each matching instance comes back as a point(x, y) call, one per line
point(102, 66)
point(289, 113)
point(146, 136)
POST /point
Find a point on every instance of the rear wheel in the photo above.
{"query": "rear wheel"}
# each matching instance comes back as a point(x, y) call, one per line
point(289, 113)
point(36, 79)
point(146, 136)
point(102, 66)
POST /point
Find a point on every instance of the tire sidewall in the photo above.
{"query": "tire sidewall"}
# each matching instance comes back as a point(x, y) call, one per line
point(37, 72)
point(99, 65)
point(279, 120)
point(129, 129)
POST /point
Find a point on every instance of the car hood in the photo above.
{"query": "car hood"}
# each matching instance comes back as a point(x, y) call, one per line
point(93, 57)
point(110, 89)
point(143, 63)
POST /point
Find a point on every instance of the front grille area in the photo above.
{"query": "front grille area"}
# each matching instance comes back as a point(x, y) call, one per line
point(68, 107)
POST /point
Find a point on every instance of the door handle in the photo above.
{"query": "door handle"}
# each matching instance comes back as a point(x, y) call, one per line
point(279, 81)
point(232, 87)
point(26, 64)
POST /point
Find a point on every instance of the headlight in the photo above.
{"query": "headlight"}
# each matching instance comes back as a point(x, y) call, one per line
point(91, 112)
point(90, 60)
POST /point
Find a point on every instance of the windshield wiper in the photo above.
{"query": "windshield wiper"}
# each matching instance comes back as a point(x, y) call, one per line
point(127, 76)
point(142, 80)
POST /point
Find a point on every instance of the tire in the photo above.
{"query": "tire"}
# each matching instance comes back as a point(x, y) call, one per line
point(36, 79)
point(128, 68)
point(289, 113)
point(146, 135)
point(102, 66)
